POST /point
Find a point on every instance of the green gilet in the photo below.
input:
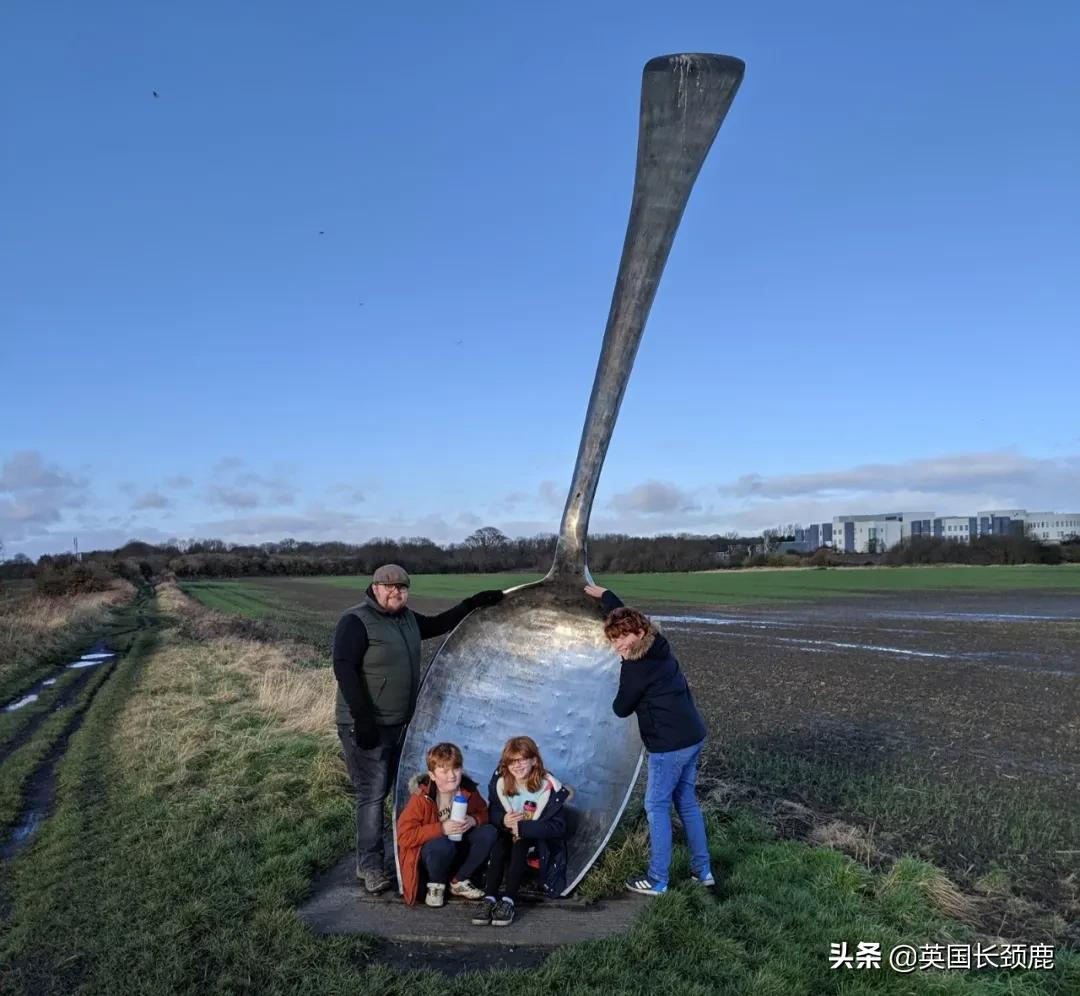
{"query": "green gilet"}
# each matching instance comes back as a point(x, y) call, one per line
point(391, 666)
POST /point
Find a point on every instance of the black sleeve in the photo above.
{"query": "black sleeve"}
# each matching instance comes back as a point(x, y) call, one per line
point(631, 687)
point(543, 829)
point(350, 645)
point(610, 601)
point(444, 622)
point(496, 812)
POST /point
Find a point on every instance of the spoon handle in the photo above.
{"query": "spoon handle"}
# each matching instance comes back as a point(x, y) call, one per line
point(684, 99)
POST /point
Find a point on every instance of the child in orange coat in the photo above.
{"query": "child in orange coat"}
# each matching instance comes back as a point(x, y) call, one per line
point(425, 848)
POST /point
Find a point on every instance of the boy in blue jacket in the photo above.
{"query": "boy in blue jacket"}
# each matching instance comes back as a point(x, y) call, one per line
point(652, 685)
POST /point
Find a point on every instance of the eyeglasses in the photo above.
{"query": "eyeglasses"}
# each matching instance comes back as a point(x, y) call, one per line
point(396, 587)
point(515, 761)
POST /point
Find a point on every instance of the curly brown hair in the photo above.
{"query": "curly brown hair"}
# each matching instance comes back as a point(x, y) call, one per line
point(515, 749)
point(623, 620)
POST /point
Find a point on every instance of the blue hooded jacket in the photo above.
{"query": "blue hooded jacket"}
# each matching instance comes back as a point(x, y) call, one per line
point(652, 685)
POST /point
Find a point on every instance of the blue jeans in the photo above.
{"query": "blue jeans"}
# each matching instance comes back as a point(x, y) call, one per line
point(672, 774)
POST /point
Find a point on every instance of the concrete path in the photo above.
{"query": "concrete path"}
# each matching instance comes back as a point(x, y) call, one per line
point(339, 905)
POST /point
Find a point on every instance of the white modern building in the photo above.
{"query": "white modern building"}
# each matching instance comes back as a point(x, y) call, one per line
point(956, 527)
point(1052, 527)
point(874, 533)
point(877, 533)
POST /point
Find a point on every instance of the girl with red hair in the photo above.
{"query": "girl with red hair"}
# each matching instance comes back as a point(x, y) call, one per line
point(526, 803)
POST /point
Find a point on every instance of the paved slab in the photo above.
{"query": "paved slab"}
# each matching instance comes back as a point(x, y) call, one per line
point(339, 905)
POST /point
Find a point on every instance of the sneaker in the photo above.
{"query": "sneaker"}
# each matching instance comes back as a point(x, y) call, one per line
point(436, 895)
point(645, 886)
point(503, 913)
point(482, 915)
point(375, 880)
point(705, 880)
point(466, 890)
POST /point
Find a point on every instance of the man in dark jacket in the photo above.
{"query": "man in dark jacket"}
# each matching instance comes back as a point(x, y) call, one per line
point(377, 667)
point(652, 685)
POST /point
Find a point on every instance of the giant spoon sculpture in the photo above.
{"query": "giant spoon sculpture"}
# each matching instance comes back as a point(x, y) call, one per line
point(538, 663)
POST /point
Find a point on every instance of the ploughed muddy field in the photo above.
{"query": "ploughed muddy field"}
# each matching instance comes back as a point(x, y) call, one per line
point(944, 723)
point(988, 682)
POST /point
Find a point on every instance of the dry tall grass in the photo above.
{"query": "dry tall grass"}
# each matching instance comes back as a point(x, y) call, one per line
point(300, 699)
point(33, 626)
point(942, 894)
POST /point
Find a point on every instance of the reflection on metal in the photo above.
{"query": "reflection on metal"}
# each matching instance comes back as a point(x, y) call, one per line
point(538, 663)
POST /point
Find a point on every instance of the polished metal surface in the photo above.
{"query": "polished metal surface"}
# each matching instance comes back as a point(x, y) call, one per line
point(684, 99)
point(538, 663)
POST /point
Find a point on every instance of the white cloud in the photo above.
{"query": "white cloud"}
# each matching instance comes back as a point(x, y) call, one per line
point(653, 497)
point(151, 499)
point(227, 465)
point(953, 484)
point(35, 494)
point(960, 473)
point(236, 487)
point(321, 523)
point(17, 514)
point(26, 471)
point(348, 493)
point(178, 482)
point(551, 494)
point(227, 497)
point(39, 503)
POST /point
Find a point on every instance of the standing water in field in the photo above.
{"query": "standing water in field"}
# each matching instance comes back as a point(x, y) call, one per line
point(90, 660)
point(40, 787)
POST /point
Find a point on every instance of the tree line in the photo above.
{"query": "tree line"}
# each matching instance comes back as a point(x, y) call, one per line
point(488, 550)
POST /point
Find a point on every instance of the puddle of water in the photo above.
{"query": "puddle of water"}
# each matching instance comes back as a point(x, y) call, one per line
point(83, 664)
point(27, 825)
point(22, 832)
point(805, 644)
point(95, 657)
point(47, 682)
point(866, 646)
point(711, 620)
point(982, 616)
point(24, 701)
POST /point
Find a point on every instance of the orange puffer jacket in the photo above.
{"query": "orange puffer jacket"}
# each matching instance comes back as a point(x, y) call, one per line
point(419, 823)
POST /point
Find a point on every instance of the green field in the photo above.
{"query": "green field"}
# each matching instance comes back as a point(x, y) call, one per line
point(235, 598)
point(790, 584)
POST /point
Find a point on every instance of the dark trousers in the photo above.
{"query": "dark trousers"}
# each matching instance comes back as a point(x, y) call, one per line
point(443, 857)
point(372, 773)
point(509, 855)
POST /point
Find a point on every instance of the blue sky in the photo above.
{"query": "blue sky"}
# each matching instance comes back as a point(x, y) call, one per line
point(347, 275)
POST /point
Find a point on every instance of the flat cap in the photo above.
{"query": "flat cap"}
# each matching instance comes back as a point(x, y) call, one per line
point(390, 574)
